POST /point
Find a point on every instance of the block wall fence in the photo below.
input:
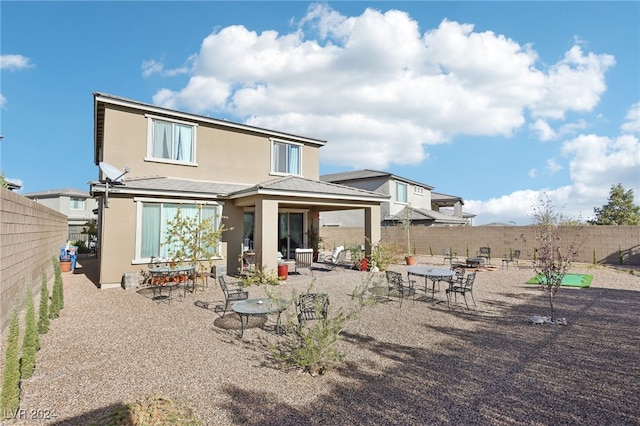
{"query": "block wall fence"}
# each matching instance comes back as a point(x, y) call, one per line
point(607, 244)
point(30, 238)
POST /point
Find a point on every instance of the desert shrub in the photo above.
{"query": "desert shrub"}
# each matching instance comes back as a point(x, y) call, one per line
point(43, 318)
point(153, 410)
point(384, 254)
point(31, 340)
point(10, 397)
point(314, 346)
point(57, 296)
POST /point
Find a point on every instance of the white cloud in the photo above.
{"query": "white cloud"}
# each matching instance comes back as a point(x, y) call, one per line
point(632, 120)
point(378, 80)
point(3, 101)
point(552, 166)
point(542, 129)
point(596, 164)
point(532, 173)
point(151, 67)
point(14, 62)
point(573, 84)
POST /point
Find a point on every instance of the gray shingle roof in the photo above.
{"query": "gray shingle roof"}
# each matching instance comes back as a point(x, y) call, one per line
point(183, 185)
point(298, 184)
point(69, 192)
point(368, 174)
point(422, 214)
point(289, 184)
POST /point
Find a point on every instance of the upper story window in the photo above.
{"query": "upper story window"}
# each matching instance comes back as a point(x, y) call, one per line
point(172, 141)
point(418, 190)
point(401, 192)
point(286, 158)
point(76, 203)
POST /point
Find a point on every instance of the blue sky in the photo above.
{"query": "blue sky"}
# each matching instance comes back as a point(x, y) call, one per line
point(496, 102)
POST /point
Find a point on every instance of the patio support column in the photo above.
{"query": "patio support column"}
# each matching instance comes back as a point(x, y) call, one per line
point(266, 234)
point(372, 230)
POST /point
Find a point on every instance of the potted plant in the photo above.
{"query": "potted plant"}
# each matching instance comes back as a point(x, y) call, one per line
point(405, 224)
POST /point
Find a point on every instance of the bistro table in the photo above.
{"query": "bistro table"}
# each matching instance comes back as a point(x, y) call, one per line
point(435, 274)
point(259, 307)
point(166, 277)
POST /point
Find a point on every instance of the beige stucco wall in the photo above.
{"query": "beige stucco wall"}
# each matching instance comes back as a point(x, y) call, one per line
point(608, 242)
point(221, 154)
point(30, 238)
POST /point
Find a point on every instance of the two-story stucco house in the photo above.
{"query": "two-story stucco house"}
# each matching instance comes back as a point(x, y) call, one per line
point(78, 205)
point(424, 207)
point(262, 184)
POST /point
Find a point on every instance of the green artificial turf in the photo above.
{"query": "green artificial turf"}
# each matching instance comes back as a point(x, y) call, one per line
point(569, 280)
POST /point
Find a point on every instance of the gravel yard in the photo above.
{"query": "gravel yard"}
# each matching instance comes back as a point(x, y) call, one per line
point(423, 363)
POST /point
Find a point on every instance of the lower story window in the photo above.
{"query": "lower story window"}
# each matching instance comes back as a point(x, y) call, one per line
point(155, 224)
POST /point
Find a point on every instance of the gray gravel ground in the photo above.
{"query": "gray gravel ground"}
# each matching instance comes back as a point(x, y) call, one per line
point(423, 363)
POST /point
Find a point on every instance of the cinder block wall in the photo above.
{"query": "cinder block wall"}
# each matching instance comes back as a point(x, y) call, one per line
point(607, 244)
point(30, 237)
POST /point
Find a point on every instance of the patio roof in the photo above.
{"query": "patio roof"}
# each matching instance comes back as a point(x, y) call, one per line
point(288, 185)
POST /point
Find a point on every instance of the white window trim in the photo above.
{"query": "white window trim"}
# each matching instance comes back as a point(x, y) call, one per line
point(138, 260)
point(84, 203)
point(150, 158)
point(418, 190)
point(273, 172)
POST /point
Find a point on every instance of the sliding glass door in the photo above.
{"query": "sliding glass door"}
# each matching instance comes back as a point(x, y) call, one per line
point(290, 233)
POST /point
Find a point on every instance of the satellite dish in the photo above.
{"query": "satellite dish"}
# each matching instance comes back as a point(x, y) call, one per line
point(114, 177)
point(113, 174)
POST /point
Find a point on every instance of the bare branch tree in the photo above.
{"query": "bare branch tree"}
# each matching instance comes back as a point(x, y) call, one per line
point(554, 255)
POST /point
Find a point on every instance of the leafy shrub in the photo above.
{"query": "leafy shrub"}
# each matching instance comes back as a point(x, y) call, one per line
point(384, 254)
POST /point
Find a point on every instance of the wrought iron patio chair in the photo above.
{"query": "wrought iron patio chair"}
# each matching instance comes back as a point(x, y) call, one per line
point(463, 289)
point(446, 253)
point(485, 253)
point(312, 306)
point(512, 258)
point(399, 286)
point(304, 259)
point(231, 294)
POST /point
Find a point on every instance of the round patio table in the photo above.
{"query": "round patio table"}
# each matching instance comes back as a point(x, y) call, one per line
point(475, 262)
point(434, 274)
point(259, 307)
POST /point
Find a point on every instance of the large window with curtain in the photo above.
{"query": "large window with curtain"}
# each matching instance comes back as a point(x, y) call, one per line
point(171, 140)
point(286, 158)
point(154, 222)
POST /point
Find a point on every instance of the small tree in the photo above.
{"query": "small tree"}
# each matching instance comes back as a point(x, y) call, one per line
point(10, 397)
point(193, 239)
point(31, 340)
point(620, 210)
point(43, 318)
point(405, 224)
point(554, 256)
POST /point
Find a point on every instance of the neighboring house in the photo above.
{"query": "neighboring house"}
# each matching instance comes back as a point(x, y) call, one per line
point(424, 206)
point(262, 184)
point(77, 205)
